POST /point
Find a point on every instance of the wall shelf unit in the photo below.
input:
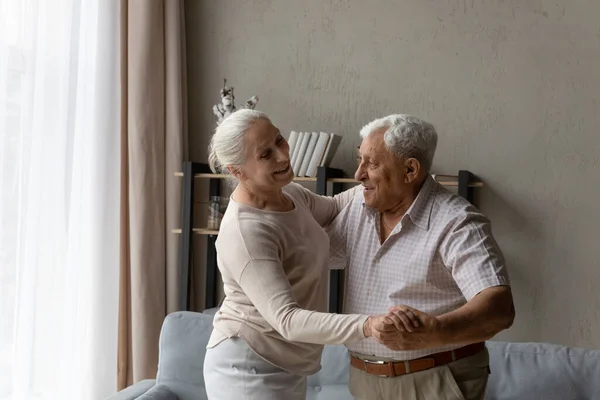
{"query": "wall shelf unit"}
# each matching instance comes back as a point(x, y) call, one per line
point(465, 182)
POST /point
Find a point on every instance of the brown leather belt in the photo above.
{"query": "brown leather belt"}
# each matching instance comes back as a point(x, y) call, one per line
point(396, 368)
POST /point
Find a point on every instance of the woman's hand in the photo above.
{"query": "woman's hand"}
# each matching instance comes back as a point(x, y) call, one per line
point(425, 331)
point(396, 320)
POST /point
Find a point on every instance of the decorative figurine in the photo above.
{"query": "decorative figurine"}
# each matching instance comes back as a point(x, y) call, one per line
point(227, 105)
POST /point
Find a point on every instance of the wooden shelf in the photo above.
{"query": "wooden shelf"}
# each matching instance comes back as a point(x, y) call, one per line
point(474, 184)
point(224, 176)
point(305, 179)
point(448, 183)
point(198, 231)
point(441, 182)
point(211, 176)
point(342, 180)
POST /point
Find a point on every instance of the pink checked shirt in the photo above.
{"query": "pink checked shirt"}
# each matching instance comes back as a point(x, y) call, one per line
point(439, 256)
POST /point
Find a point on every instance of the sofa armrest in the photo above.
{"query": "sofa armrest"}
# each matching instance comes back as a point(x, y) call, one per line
point(134, 391)
point(158, 392)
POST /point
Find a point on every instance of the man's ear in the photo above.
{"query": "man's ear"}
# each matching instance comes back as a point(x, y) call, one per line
point(412, 166)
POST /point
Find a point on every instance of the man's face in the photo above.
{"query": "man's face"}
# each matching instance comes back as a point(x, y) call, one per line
point(382, 174)
point(267, 157)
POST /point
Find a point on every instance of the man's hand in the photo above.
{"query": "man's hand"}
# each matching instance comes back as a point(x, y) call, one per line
point(486, 314)
point(392, 322)
point(424, 333)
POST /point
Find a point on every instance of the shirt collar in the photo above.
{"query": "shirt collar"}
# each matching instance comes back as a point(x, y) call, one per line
point(419, 211)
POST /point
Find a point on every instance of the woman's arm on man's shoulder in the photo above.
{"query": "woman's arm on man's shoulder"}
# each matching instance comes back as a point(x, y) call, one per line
point(325, 208)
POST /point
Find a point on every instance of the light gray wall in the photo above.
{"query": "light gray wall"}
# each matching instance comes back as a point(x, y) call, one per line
point(512, 87)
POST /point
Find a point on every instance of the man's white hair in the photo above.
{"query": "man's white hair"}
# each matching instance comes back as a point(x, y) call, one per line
point(406, 136)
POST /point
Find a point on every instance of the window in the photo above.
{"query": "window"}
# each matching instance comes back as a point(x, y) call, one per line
point(59, 130)
point(13, 61)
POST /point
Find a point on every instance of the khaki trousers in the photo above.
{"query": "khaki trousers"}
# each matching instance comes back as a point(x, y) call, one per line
point(465, 379)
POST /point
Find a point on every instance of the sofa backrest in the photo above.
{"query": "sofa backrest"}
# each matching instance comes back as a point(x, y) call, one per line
point(519, 371)
point(182, 347)
point(542, 371)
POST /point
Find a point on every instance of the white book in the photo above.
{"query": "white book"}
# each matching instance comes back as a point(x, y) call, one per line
point(332, 145)
point(318, 153)
point(292, 140)
point(292, 143)
point(296, 149)
point(301, 151)
point(442, 177)
point(309, 153)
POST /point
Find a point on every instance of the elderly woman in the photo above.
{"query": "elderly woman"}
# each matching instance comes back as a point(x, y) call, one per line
point(272, 253)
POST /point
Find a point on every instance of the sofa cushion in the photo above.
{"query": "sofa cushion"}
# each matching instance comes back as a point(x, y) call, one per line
point(182, 347)
point(542, 371)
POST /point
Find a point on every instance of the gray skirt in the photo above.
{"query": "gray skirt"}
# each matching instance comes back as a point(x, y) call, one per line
point(234, 371)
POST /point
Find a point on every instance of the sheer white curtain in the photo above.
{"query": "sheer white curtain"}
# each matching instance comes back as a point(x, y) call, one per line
point(59, 204)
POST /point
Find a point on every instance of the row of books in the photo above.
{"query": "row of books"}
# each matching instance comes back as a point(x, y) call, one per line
point(310, 150)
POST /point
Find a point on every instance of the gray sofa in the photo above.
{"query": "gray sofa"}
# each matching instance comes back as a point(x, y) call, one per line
point(520, 371)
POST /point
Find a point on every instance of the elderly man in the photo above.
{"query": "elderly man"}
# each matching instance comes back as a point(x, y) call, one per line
point(412, 248)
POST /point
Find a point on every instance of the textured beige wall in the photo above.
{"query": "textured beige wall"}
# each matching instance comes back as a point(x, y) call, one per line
point(512, 87)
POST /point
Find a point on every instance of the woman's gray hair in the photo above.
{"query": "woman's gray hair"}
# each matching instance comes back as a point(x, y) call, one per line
point(227, 144)
point(406, 136)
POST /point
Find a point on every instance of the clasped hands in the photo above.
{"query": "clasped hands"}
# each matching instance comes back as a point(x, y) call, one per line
point(404, 328)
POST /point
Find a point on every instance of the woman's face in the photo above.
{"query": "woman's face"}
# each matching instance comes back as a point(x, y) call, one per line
point(267, 153)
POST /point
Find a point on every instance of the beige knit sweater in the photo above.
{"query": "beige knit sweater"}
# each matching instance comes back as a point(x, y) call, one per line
point(275, 276)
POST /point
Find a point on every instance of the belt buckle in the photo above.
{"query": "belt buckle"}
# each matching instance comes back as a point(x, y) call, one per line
point(365, 362)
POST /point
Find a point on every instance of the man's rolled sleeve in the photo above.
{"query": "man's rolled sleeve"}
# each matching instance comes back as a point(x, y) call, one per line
point(472, 255)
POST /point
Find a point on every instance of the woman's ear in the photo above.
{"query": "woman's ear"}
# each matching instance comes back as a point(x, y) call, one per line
point(235, 171)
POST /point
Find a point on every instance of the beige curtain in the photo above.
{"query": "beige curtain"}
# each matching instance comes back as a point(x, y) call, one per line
point(153, 146)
